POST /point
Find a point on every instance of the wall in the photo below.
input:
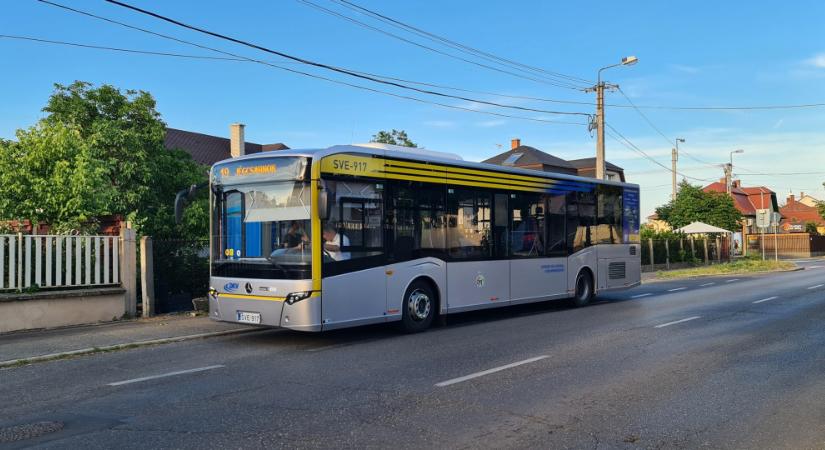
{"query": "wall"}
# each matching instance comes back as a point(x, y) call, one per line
point(60, 308)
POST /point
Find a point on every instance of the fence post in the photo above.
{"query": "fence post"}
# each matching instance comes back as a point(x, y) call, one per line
point(19, 261)
point(705, 240)
point(147, 276)
point(128, 270)
point(652, 259)
point(667, 254)
point(718, 249)
point(692, 249)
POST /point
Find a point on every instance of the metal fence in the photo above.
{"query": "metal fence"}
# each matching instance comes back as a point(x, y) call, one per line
point(50, 261)
point(659, 254)
point(181, 273)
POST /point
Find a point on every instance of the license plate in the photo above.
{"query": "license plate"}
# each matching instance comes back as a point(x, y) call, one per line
point(249, 317)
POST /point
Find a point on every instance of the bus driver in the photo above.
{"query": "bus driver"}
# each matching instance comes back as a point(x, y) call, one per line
point(333, 241)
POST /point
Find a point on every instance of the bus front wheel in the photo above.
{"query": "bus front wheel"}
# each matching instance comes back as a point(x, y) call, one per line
point(584, 289)
point(419, 307)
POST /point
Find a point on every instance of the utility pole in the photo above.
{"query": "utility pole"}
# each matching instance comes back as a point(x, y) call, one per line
point(600, 130)
point(599, 88)
point(674, 157)
point(728, 180)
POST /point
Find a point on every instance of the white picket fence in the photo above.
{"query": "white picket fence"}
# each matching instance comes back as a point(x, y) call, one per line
point(58, 261)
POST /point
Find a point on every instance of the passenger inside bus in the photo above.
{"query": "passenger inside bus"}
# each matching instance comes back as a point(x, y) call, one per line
point(295, 237)
point(333, 241)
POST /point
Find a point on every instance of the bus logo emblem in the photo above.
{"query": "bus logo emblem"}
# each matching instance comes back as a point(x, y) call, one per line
point(480, 281)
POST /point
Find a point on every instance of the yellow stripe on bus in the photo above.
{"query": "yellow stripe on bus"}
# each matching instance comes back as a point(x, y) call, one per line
point(252, 297)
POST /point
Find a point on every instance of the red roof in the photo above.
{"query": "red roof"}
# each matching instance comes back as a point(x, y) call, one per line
point(746, 199)
point(208, 149)
point(795, 212)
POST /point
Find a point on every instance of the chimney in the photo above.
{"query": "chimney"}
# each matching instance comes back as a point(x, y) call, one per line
point(236, 140)
point(791, 199)
point(801, 195)
point(515, 143)
point(736, 183)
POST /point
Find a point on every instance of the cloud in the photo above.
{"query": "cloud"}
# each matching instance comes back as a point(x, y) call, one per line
point(440, 123)
point(491, 123)
point(816, 61)
point(684, 69)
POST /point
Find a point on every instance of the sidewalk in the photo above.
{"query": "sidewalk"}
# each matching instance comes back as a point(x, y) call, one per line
point(46, 344)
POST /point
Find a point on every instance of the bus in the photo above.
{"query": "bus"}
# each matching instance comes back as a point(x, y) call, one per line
point(316, 240)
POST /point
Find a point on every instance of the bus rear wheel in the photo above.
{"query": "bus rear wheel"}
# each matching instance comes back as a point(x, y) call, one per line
point(584, 289)
point(418, 308)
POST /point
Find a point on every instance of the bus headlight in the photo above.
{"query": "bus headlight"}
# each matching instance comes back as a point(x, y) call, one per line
point(213, 294)
point(297, 296)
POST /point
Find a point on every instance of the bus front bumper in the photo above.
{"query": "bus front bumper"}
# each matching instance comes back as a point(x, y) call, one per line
point(297, 312)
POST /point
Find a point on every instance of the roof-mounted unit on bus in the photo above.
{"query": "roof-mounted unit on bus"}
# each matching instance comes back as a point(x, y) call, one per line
point(411, 150)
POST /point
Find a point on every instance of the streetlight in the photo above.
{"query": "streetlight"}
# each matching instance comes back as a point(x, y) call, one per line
point(626, 61)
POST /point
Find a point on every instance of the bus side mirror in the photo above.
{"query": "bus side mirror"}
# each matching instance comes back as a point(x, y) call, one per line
point(183, 198)
point(323, 204)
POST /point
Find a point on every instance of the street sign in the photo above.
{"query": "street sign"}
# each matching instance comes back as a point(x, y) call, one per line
point(775, 219)
point(763, 218)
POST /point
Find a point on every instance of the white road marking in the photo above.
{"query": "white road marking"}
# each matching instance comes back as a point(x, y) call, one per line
point(816, 267)
point(731, 280)
point(816, 286)
point(489, 371)
point(641, 295)
point(706, 284)
point(164, 375)
point(766, 299)
point(676, 321)
point(677, 289)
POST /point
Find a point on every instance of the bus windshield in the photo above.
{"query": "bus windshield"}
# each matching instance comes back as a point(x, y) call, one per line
point(262, 230)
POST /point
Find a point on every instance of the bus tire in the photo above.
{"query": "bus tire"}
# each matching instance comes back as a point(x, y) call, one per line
point(419, 307)
point(584, 289)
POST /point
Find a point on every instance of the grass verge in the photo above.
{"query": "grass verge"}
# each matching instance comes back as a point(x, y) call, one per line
point(735, 267)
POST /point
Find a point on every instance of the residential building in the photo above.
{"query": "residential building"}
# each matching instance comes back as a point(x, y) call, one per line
point(807, 200)
point(796, 214)
point(207, 149)
point(747, 200)
point(656, 224)
point(526, 157)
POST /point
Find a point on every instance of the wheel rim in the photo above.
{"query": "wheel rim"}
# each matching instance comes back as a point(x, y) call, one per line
point(419, 305)
point(582, 288)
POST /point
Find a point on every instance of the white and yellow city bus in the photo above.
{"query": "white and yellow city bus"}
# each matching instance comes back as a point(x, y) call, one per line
point(322, 239)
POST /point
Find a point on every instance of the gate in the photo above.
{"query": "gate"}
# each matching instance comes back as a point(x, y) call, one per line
point(181, 270)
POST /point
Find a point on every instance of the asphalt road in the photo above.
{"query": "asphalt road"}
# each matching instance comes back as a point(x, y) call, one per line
point(724, 362)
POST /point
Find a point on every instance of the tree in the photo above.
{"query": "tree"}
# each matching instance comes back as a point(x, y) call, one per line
point(394, 137)
point(810, 228)
point(98, 152)
point(693, 204)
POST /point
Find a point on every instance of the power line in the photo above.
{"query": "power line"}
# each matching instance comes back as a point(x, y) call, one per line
point(456, 45)
point(627, 143)
point(329, 67)
point(118, 49)
point(435, 50)
point(655, 128)
point(243, 58)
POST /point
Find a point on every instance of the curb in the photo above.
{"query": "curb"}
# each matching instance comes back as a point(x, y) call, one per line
point(109, 348)
point(658, 280)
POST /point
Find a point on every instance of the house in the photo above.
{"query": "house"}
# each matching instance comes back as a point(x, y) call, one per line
point(526, 157)
point(587, 168)
point(207, 149)
point(796, 214)
point(656, 224)
point(807, 200)
point(747, 200)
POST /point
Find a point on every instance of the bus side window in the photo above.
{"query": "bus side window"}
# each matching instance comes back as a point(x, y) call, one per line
point(556, 239)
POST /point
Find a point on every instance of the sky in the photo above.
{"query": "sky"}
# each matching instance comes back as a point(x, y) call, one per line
point(691, 54)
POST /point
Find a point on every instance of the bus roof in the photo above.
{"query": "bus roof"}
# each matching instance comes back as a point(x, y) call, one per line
point(420, 155)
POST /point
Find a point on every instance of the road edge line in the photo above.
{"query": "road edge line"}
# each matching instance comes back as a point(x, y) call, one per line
point(115, 347)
